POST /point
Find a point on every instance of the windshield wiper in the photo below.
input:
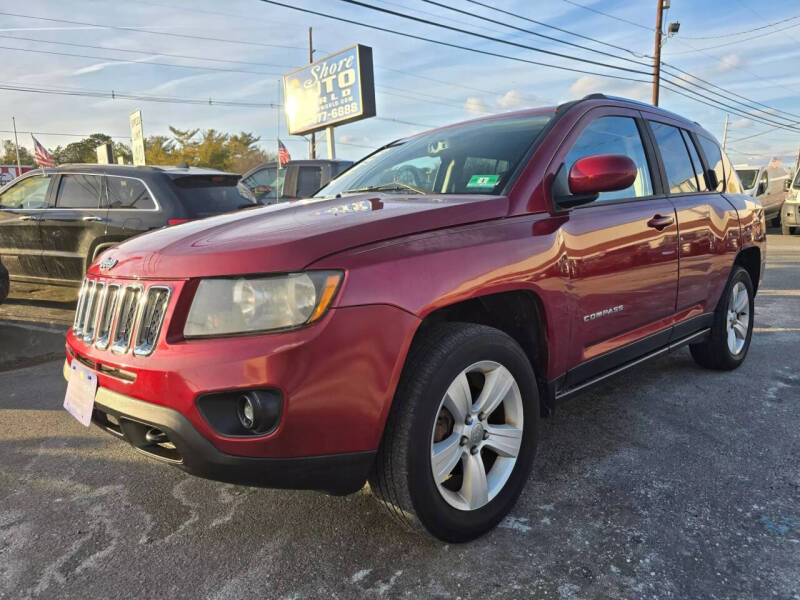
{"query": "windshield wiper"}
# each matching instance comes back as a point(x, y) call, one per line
point(395, 186)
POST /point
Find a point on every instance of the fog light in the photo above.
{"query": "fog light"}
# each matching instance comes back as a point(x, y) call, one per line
point(258, 412)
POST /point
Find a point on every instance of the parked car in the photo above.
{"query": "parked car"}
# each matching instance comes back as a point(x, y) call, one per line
point(411, 323)
point(54, 222)
point(768, 185)
point(790, 213)
point(295, 180)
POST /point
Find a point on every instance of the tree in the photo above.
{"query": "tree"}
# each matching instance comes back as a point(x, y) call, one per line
point(10, 155)
point(159, 150)
point(85, 150)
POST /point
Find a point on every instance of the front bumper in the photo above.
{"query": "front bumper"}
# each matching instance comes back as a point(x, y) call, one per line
point(186, 448)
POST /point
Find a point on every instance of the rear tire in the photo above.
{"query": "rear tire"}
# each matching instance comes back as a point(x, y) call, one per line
point(786, 230)
point(732, 329)
point(436, 425)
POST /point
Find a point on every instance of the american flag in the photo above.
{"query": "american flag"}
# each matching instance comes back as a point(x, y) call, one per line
point(283, 153)
point(43, 157)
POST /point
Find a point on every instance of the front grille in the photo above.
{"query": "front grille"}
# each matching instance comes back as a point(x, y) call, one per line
point(121, 316)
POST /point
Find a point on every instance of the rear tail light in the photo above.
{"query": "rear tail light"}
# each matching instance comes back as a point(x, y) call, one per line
point(177, 221)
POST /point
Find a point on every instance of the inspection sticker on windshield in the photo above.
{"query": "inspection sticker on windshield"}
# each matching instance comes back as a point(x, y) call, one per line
point(81, 390)
point(483, 181)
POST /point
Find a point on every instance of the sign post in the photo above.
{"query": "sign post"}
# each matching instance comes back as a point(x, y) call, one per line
point(105, 154)
point(331, 91)
point(137, 138)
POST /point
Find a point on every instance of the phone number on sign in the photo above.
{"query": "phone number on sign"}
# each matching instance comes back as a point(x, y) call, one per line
point(339, 111)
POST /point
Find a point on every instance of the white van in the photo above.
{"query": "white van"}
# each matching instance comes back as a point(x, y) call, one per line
point(768, 185)
point(790, 213)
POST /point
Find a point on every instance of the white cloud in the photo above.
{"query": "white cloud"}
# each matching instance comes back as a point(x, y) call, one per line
point(476, 106)
point(729, 62)
point(511, 100)
point(740, 124)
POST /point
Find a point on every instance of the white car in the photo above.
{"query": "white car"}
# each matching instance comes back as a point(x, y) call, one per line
point(768, 185)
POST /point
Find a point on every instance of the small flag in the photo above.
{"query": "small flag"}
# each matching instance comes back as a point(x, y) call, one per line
point(43, 157)
point(283, 153)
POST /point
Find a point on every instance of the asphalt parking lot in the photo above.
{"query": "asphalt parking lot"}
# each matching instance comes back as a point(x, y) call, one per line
point(666, 482)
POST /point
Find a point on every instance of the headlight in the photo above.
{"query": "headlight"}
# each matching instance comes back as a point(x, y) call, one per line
point(259, 304)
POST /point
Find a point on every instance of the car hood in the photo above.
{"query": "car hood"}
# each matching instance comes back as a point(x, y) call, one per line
point(288, 237)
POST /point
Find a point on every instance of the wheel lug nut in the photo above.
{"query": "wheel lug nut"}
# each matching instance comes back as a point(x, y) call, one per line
point(468, 421)
point(473, 450)
point(464, 440)
point(482, 416)
point(486, 435)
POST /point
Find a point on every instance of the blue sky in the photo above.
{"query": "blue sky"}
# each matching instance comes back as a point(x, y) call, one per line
point(417, 82)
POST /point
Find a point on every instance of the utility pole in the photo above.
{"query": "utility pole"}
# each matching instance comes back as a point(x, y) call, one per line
point(16, 146)
point(310, 60)
point(657, 52)
point(725, 132)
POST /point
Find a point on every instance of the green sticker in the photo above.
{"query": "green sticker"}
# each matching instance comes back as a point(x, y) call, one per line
point(483, 181)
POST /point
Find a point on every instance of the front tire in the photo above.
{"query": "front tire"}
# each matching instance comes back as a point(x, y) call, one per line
point(462, 433)
point(732, 329)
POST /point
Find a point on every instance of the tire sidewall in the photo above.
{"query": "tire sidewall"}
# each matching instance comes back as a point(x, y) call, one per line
point(739, 275)
point(433, 510)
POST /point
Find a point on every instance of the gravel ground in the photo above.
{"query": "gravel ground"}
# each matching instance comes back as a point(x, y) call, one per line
point(666, 482)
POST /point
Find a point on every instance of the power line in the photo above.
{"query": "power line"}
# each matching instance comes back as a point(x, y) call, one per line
point(491, 38)
point(80, 135)
point(448, 44)
point(771, 108)
point(151, 53)
point(739, 41)
point(547, 37)
point(741, 139)
point(140, 30)
point(116, 95)
point(609, 15)
point(749, 104)
point(734, 33)
point(139, 62)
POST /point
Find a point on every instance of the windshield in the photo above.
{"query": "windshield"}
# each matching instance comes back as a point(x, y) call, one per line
point(747, 177)
point(474, 158)
point(206, 195)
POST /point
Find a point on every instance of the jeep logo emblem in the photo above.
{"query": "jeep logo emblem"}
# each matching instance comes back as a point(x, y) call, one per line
point(108, 263)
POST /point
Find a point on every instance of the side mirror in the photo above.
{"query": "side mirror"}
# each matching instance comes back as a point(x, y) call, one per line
point(787, 185)
point(591, 175)
point(762, 187)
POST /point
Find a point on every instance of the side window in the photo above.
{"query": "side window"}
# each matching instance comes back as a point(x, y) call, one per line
point(698, 164)
point(614, 135)
point(30, 192)
point(79, 191)
point(675, 156)
point(309, 180)
point(124, 192)
point(763, 184)
point(714, 159)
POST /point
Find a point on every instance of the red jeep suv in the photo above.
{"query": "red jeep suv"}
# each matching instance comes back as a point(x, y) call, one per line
point(411, 323)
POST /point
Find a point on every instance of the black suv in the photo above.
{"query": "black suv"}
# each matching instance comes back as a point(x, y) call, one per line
point(54, 222)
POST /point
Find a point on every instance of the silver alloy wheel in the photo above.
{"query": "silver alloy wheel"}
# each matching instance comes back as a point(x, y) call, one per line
point(477, 435)
point(738, 319)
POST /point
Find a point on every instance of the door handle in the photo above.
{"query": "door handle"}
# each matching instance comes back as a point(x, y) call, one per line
point(93, 218)
point(30, 218)
point(660, 222)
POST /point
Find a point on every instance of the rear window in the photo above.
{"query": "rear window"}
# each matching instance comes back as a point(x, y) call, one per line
point(206, 195)
point(309, 180)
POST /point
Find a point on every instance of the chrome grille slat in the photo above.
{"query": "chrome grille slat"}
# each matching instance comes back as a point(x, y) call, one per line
point(154, 307)
point(92, 309)
point(106, 316)
point(129, 308)
point(121, 317)
point(77, 326)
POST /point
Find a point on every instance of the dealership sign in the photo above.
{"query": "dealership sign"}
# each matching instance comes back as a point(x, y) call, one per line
point(332, 91)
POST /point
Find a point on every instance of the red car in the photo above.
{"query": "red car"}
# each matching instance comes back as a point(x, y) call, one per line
point(411, 324)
